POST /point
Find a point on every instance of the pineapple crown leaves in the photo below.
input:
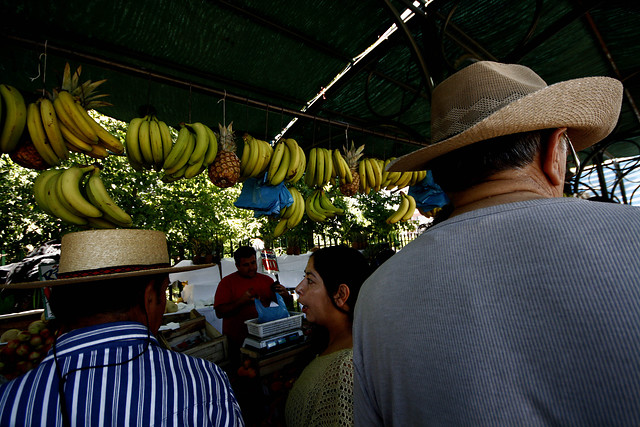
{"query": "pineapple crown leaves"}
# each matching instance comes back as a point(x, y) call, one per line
point(227, 139)
point(352, 155)
point(85, 92)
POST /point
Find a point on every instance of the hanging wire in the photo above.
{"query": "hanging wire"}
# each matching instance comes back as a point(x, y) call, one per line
point(42, 59)
point(190, 101)
point(224, 108)
point(266, 125)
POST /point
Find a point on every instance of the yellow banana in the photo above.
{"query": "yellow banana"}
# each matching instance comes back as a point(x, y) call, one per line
point(399, 214)
point(99, 197)
point(281, 173)
point(131, 141)
point(298, 204)
point(202, 143)
point(40, 189)
point(155, 141)
point(52, 129)
point(182, 161)
point(302, 164)
point(377, 173)
point(327, 205)
point(311, 212)
point(411, 209)
point(310, 172)
point(69, 188)
point(281, 227)
point(109, 141)
point(266, 154)
point(15, 118)
point(276, 159)
point(338, 164)
point(371, 179)
point(194, 169)
point(73, 112)
point(181, 144)
point(97, 152)
point(255, 158)
point(56, 206)
point(38, 136)
point(328, 166)
point(72, 139)
point(67, 121)
point(294, 162)
point(362, 171)
point(101, 223)
point(167, 141)
point(246, 149)
point(212, 150)
point(145, 142)
point(404, 180)
point(320, 158)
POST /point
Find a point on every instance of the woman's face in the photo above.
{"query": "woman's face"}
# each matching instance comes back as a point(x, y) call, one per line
point(313, 297)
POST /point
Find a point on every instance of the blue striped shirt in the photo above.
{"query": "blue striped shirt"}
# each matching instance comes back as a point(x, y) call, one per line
point(160, 387)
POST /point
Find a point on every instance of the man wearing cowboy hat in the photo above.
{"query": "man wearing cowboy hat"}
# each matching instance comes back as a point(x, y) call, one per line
point(522, 307)
point(106, 366)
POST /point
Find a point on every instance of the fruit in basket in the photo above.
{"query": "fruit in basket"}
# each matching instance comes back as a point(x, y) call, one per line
point(26, 350)
point(9, 335)
point(224, 172)
point(171, 307)
point(36, 327)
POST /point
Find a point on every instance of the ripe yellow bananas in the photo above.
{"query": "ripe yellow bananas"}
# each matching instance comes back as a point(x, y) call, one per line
point(405, 210)
point(13, 118)
point(287, 164)
point(291, 215)
point(256, 157)
point(319, 208)
point(61, 193)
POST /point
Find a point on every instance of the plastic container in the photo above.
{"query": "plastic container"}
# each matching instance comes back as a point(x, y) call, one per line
point(274, 327)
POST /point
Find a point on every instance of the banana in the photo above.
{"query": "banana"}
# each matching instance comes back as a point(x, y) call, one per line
point(109, 141)
point(281, 227)
point(98, 152)
point(52, 129)
point(377, 173)
point(212, 150)
point(80, 124)
point(294, 162)
point(72, 139)
point(310, 173)
point(167, 141)
point(145, 142)
point(276, 159)
point(179, 174)
point(202, 143)
point(320, 158)
point(362, 171)
point(38, 136)
point(178, 148)
point(155, 141)
point(182, 161)
point(40, 189)
point(404, 179)
point(339, 165)
point(385, 174)
point(326, 204)
point(194, 169)
point(316, 204)
point(411, 209)
point(66, 120)
point(56, 206)
point(311, 213)
point(281, 173)
point(132, 142)
point(298, 205)
point(266, 153)
point(252, 157)
point(69, 188)
point(101, 223)
point(15, 118)
point(302, 164)
point(371, 179)
point(399, 214)
point(328, 166)
point(99, 197)
point(246, 148)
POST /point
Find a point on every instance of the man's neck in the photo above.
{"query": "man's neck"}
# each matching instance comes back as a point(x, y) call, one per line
point(510, 186)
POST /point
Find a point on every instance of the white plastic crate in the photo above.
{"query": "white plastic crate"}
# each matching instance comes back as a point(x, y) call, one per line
point(267, 329)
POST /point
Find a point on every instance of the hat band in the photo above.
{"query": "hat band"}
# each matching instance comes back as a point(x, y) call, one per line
point(111, 270)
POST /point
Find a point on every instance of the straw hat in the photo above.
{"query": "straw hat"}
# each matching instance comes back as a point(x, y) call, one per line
point(489, 99)
point(93, 255)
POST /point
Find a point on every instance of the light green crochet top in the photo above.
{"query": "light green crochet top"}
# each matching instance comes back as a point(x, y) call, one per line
point(323, 394)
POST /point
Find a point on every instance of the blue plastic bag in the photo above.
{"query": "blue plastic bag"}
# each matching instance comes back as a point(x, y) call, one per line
point(262, 198)
point(428, 194)
point(267, 314)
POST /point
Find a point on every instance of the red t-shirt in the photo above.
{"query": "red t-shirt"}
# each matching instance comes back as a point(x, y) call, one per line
point(231, 288)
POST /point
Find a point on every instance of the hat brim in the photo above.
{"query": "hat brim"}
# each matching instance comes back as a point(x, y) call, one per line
point(588, 107)
point(96, 278)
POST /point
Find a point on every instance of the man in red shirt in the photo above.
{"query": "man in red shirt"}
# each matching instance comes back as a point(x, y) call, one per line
point(236, 293)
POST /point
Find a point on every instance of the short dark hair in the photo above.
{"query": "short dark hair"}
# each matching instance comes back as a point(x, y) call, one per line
point(465, 167)
point(71, 303)
point(341, 264)
point(243, 252)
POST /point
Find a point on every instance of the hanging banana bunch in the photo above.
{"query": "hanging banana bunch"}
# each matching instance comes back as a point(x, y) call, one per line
point(405, 210)
point(256, 155)
point(287, 163)
point(319, 207)
point(291, 215)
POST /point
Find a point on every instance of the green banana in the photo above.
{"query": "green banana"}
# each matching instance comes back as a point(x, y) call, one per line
point(202, 143)
point(212, 150)
point(281, 227)
point(328, 166)
point(131, 141)
point(320, 157)
point(276, 159)
point(186, 154)
point(145, 142)
point(15, 118)
point(310, 173)
point(167, 141)
point(40, 188)
point(311, 212)
point(56, 206)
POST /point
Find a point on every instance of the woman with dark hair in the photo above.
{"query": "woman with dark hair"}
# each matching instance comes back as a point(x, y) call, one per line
point(323, 394)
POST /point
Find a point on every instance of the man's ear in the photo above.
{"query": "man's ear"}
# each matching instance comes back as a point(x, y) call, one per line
point(554, 163)
point(342, 295)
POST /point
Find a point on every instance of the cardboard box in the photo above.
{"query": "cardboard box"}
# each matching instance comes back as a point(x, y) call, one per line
point(198, 338)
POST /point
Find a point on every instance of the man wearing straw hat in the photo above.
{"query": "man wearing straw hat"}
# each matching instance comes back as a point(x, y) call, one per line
point(522, 307)
point(106, 366)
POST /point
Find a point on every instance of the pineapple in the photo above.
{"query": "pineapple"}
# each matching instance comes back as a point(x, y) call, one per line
point(352, 156)
point(224, 172)
point(83, 92)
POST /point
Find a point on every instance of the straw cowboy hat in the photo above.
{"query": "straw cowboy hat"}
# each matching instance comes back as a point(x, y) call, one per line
point(489, 99)
point(89, 256)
